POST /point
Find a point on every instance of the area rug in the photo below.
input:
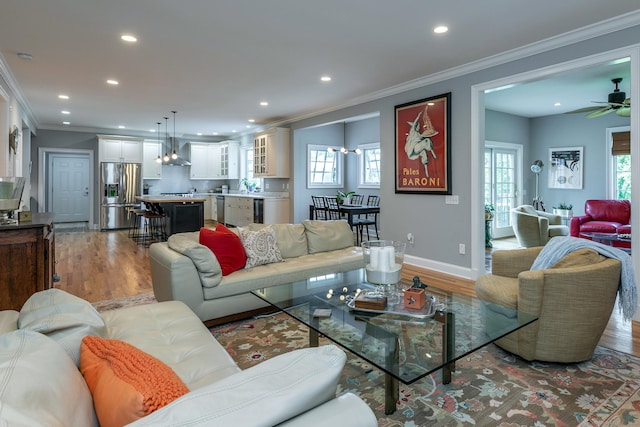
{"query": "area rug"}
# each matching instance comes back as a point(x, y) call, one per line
point(112, 304)
point(489, 388)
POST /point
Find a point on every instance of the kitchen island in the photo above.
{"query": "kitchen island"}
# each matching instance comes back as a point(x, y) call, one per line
point(183, 213)
point(245, 208)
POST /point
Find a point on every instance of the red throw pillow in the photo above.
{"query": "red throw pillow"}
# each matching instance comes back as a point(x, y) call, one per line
point(226, 246)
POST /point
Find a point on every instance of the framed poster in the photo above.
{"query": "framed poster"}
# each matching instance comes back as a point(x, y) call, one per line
point(423, 146)
point(566, 166)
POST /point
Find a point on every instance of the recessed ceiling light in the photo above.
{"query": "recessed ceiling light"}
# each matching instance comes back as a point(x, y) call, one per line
point(65, 112)
point(325, 79)
point(215, 133)
point(264, 103)
point(113, 82)
point(199, 134)
point(557, 104)
point(121, 127)
point(25, 55)
point(152, 130)
point(66, 123)
point(440, 29)
point(129, 38)
point(62, 96)
point(252, 120)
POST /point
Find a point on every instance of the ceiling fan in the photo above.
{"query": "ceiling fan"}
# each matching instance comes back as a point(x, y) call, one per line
point(617, 102)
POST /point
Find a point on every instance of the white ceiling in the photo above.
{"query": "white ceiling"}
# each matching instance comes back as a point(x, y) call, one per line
point(213, 61)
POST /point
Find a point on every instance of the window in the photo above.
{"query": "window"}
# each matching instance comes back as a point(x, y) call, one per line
point(324, 167)
point(247, 166)
point(369, 166)
point(619, 139)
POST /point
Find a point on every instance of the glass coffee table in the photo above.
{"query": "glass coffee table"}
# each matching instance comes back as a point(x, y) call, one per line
point(608, 239)
point(406, 344)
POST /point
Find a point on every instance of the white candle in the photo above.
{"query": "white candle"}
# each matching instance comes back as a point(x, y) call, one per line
point(374, 257)
point(391, 253)
point(384, 259)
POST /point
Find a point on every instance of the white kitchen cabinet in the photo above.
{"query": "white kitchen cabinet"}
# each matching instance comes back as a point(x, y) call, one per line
point(151, 169)
point(271, 154)
point(238, 211)
point(210, 208)
point(118, 149)
point(276, 211)
point(218, 160)
point(201, 161)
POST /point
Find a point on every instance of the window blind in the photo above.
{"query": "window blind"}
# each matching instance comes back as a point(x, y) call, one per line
point(621, 143)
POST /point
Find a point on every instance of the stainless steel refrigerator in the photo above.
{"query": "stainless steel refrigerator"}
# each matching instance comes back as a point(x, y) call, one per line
point(120, 183)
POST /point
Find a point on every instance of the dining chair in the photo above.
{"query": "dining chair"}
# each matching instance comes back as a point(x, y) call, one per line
point(319, 208)
point(370, 219)
point(357, 199)
point(333, 209)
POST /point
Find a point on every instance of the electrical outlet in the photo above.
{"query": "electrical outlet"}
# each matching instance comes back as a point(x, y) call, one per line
point(461, 249)
point(266, 186)
point(410, 238)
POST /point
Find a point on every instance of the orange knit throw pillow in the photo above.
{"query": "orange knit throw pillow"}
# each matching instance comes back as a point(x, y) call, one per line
point(126, 383)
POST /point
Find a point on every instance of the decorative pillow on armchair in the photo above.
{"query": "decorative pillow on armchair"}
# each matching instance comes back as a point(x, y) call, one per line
point(260, 246)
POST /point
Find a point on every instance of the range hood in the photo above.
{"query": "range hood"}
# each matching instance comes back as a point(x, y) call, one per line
point(180, 161)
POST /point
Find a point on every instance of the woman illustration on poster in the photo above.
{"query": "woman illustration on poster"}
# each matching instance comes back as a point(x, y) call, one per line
point(420, 144)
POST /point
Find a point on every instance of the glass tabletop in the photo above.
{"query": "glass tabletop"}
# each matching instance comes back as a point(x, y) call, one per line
point(405, 346)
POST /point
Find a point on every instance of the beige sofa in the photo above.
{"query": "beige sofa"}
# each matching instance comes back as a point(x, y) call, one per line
point(184, 270)
point(41, 384)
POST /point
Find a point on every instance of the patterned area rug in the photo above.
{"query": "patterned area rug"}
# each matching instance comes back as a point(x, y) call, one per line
point(112, 304)
point(489, 388)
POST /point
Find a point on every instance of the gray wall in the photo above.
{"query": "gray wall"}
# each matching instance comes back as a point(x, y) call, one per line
point(439, 228)
point(568, 131)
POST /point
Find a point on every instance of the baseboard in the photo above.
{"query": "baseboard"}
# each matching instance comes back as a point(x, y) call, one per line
point(438, 279)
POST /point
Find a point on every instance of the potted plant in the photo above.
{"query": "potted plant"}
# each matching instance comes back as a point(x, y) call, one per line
point(563, 209)
point(344, 198)
point(249, 186)
point(489, 211)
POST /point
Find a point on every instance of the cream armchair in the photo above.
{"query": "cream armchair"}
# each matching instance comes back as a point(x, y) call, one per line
point(535, 228)
point(573, 301)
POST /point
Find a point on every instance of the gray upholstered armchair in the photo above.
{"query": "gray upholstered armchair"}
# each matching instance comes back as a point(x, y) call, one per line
point(573, 301)
point(535, 228)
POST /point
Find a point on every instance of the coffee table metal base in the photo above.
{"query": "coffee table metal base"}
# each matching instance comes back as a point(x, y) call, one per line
point(391, 384)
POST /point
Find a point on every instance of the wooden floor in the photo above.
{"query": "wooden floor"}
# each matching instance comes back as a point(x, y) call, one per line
point(98, 266)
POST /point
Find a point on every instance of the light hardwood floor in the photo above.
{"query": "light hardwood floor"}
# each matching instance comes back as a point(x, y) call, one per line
point(98, 266)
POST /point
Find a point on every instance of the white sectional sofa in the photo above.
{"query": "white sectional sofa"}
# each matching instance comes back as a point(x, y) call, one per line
point(41, 383)
point(184, 270)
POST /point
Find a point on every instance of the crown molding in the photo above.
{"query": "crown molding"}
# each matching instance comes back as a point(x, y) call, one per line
point(16, 91)
point(612, 25)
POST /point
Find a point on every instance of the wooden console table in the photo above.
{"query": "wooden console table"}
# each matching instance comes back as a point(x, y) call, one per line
point(27, 256)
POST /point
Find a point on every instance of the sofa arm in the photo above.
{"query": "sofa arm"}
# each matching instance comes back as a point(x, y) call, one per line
point(174, 277)
point(346, 410)
point(272, 392)
point(576, 223)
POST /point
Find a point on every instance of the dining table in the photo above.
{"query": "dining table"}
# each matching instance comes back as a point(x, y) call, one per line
point(350, 211)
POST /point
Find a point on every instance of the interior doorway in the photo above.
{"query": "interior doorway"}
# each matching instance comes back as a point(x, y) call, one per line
point(502, 183)
point(66, 185)
point(478, 134)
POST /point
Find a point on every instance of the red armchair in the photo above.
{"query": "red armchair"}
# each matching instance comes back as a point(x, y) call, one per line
point(603, 216)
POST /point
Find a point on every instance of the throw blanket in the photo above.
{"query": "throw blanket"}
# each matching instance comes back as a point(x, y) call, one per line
point(558, 247)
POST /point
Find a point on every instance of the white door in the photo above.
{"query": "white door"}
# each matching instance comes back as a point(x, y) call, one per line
point(502, 184)
point(69, 187)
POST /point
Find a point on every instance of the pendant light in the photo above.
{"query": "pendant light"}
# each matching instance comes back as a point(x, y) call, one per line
point(159, 159)
point(174, 155)
point(166, 132)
